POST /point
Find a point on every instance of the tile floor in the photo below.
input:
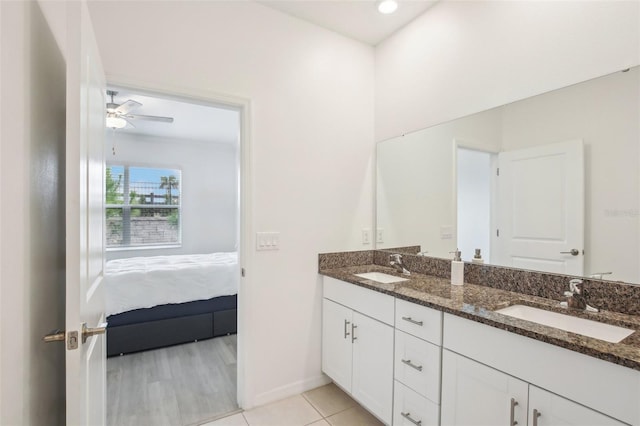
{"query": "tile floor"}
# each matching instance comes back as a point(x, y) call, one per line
point(323, 406)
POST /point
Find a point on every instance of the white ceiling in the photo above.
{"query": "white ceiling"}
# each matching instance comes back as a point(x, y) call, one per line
point(191, 121)
point(358, 19)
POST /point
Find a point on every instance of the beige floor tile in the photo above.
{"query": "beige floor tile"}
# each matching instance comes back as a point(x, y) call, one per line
point(322, 422)
point(329, 399)
point(234, 420)
point(356, 416)
point(294, 411)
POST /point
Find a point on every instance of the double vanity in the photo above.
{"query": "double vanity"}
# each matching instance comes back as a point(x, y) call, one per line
point(415, 350)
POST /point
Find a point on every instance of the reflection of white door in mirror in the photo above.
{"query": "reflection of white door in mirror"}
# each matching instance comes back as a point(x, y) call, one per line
point(541, 208)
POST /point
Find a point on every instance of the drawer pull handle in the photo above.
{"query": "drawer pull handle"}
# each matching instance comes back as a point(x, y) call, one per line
point(408, 417)
point(512, 420)
point(412, 321)
point(536, 414)
point(346, 333)
point(412, 365)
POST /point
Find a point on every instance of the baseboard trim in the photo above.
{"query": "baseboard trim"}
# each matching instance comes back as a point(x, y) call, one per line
point(289, 390)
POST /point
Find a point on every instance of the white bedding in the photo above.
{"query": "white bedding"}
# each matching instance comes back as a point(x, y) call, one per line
point(144, 282)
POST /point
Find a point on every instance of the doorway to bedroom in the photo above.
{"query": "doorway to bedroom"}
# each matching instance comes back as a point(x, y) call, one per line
point(172, 233)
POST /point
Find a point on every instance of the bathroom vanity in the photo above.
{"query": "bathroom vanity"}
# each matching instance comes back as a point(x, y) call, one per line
point(422, 352)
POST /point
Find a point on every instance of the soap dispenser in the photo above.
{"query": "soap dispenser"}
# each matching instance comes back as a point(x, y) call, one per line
point(477, 258)
point(457, 268)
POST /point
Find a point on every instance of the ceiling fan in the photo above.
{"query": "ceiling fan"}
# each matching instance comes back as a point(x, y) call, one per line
point(118, 116)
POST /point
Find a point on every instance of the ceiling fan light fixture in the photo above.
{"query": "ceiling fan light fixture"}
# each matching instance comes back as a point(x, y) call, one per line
point(387, 6)
point(115, 122)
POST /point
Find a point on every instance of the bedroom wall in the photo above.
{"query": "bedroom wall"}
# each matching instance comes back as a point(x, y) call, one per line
point(311, 93)
point(209, 188)
point(462, 57)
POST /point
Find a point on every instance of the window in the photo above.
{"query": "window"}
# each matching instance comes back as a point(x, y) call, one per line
point(142, 206)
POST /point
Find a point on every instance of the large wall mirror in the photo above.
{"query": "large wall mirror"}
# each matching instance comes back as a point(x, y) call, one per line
point(549, 183)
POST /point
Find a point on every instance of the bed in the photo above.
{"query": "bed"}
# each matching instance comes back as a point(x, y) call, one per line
point(152, 302)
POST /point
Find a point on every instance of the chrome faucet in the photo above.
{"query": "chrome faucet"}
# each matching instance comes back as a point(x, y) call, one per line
point(577, 297)
point(395, 260)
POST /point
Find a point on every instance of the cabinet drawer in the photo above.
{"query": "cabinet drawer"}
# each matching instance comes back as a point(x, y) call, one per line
point(369, 302)
point(417, 365)
point(420, 321)
point(410, 408)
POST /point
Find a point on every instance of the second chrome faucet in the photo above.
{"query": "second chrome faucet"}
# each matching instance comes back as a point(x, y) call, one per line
point(395, 260)
point(577, 297)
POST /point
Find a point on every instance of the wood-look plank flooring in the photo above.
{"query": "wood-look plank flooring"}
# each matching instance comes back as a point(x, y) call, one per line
point(179, 385)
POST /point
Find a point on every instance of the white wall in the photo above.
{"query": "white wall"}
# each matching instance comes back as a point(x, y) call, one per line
point(32, 245)
point(209, 188)
point(461, 57)
point(311, 94)
point(416, 179)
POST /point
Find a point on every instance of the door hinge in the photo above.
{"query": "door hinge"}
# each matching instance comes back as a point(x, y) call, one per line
point(242, 272)
point(72, 340)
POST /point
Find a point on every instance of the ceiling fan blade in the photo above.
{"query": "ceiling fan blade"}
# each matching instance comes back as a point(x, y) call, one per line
point(129, 124)
point(128, 106)
point(151, 118)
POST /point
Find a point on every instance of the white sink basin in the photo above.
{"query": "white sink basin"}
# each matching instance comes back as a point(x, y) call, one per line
point(381, 277)
point(598, 330)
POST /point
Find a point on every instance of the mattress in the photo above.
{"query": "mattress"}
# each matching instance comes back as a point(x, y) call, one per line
point(144, 282)
point(161, 312)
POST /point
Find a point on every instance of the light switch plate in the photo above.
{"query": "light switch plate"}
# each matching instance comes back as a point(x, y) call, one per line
point(446, 232)
point(366, 236)
point(267, 241)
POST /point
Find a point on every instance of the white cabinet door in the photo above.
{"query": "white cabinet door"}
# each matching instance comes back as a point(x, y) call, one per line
point(336, 342)
point(372, 382)
point(474, 394)
point(551, 409)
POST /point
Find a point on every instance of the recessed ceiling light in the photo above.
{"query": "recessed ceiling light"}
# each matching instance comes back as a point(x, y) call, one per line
point(387, 6)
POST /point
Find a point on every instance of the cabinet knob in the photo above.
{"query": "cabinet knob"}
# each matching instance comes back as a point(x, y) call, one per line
point(410, 364)
point(408, 417)
point(536, 414)
point(412, 321)
point(512, 420)
point(346, 332)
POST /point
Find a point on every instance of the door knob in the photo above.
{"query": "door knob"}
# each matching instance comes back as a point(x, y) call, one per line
point(60, 336)
point(88, 332)
point(54, 336)
point(572, 252)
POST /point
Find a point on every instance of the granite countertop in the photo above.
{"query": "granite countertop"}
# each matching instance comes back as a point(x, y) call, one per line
point(478, 303)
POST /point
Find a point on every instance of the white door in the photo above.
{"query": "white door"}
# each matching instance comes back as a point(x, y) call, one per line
point(474, 394)
point(336, 342)
point(85, 365)
point(541, 208)
point(550, 410)
point(372, 382)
